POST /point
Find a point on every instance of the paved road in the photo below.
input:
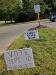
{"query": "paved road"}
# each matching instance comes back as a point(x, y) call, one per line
point(9, 33)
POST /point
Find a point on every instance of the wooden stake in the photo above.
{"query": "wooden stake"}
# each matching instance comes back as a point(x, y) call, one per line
point(39, 18)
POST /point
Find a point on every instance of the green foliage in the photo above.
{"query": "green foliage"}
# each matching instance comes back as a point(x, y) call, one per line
point(26, 5)
point(43, 7)
point(44, 52)
point(54, 5)
point(51, 5)
point(9, 6)
point(12, 6)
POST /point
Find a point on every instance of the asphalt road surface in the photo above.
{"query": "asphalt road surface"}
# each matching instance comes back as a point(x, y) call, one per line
point(9, 33)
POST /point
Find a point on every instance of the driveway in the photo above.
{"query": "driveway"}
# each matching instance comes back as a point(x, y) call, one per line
point(9, 33)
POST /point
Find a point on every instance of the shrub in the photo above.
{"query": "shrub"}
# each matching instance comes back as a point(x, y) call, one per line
point(22, 17)
point(25, 17)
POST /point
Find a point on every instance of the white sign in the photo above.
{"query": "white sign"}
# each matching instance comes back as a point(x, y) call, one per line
point(19, 59)
point(37, 8)
point(32, 34)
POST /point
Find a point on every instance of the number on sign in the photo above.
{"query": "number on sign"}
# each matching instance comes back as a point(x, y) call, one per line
point(31, 35)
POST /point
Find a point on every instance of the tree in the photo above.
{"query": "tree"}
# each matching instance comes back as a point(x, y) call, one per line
point(9, 6)
point(26, 5)
point(51, 5)
point(29, 4)
point(54, 6)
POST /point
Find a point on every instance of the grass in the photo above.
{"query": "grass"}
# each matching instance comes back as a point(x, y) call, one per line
point(44, 52)
point(2, 23)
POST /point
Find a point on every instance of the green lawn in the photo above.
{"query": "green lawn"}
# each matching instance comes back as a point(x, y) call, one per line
point(44, 52)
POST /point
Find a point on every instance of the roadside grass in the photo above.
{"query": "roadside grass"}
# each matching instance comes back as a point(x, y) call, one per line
point(44, 52)
point(2, 23)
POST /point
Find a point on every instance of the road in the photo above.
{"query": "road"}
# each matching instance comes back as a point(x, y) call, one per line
point(9, 33)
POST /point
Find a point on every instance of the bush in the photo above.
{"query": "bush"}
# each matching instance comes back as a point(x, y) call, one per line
point(25, 17)
point(21, 17)
point(32, 16)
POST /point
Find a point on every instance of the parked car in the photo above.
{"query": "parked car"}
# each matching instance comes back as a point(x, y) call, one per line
point(53, 18)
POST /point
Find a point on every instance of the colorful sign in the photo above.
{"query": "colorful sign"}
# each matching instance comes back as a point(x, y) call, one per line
point(32, 34)
point(19, 59)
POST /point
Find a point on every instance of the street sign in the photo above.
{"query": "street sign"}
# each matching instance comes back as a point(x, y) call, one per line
point(37, 8)
point(19, 59)
point(32, 34)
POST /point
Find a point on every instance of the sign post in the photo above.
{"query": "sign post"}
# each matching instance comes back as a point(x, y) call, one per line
point(39, 18)
point(37, 10)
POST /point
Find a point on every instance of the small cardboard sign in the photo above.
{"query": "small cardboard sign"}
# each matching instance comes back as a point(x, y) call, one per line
point(19, 59)
point(37, 8)
point(32, 34)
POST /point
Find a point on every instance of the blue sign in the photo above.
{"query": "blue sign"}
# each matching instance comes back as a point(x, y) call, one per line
point(31, 35)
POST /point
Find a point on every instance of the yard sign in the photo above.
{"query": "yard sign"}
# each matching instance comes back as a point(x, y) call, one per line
point(19, 59)
point(31, 35)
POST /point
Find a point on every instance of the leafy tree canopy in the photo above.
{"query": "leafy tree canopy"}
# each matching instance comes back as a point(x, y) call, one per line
point(9, 6)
